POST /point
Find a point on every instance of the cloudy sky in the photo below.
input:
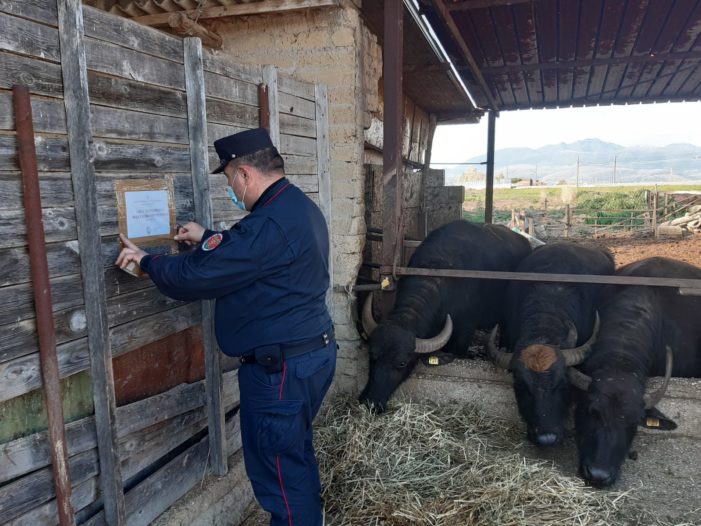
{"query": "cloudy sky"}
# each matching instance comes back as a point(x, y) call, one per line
point(638, 125)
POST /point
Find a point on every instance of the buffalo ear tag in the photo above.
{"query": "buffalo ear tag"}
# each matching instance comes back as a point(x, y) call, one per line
point(433, 360)
point(652, 422)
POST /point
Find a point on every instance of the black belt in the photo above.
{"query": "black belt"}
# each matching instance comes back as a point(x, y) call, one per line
point(294, 349)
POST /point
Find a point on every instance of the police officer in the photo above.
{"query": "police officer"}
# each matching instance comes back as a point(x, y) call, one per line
point(269, 274)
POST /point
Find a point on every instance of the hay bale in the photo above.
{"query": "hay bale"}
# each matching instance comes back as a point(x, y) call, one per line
point(670, 230)
point(419, 464)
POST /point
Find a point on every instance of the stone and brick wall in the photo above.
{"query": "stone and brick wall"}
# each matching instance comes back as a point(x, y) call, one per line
point(326, 46)
point(334, 47)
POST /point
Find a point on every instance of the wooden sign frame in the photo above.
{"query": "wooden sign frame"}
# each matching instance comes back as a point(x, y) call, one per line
point(161, 240)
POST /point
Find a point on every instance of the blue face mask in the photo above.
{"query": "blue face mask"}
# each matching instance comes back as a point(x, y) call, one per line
point(232, 195)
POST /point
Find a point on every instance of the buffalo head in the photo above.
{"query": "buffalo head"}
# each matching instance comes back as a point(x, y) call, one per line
point(541, 382)
point(394, 351)
point(607, 417)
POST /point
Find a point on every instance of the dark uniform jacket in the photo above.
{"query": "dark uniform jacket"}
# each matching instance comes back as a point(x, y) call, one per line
point(269, 273)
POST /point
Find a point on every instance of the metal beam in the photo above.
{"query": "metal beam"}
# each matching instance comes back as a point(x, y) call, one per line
point(489, 188)
point(447, 19)
point(587, 63)
point(257, 8)
point(393, 168)
point(686, 286)
point(484, 4)
point(43, 304)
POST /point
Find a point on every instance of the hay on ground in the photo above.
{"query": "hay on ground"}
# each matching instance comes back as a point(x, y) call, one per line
point(419, 464)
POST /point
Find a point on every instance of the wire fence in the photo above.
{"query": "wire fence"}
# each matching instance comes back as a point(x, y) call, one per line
point(663, 208)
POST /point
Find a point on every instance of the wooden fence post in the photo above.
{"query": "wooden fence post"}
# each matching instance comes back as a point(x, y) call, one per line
point(77, 104)
point(199, 162)
point(568, 220)
point(655, 198)
point(666, 203)
point(270, 80)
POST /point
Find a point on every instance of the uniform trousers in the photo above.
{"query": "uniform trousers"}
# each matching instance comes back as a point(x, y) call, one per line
point(276, 416)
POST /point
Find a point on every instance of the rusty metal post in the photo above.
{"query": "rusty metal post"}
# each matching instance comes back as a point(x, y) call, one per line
point(42, 303)
point(393, 168)
point(264, 107)
point(489, 189)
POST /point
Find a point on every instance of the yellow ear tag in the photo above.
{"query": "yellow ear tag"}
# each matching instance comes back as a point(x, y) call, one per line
point(433, 360)
point(652, 422)
point(385, 283)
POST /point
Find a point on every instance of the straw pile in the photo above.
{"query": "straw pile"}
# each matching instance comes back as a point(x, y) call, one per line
point(446, 466)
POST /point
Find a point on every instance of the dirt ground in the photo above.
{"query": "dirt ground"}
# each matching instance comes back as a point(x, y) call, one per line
point(627, 249)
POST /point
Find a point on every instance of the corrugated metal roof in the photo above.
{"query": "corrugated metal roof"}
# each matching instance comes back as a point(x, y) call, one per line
point(532, 53)
point(555, 53)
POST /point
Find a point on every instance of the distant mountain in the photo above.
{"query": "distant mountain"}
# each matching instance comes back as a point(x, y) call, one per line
point(599, 162)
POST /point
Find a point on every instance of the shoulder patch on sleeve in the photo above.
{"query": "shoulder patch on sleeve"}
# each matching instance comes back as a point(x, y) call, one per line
point(212, 242)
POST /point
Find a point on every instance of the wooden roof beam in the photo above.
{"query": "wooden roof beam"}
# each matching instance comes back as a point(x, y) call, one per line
point(185, 25)
point(447, 20)
point(256, 8)
point(465, 5)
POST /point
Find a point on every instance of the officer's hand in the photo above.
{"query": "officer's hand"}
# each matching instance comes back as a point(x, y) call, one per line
point(190, 233)
point(130, 252)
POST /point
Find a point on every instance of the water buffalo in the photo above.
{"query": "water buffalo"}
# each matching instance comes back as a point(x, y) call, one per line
point(549, 328)
point(431, 313)
point(643, 331)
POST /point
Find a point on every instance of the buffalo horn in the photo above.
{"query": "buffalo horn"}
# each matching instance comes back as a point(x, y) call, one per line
point(577, 355)
point(501, 359)
point(369, 323)
point(438, 341)
point(652, 399)
point(572, 335)
point(578, 379)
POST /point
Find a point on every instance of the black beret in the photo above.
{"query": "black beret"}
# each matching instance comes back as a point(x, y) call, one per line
point(239, 144)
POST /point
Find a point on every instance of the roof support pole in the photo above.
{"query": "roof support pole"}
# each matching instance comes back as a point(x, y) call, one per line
point(392, 135)
point(489, 189)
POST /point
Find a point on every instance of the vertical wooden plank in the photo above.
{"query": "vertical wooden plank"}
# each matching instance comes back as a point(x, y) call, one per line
point(655, 200)
point(322, 161)
point(77, 104)
point(270, 79)
point(197, 126)
point(423, 220)
point(393, 168)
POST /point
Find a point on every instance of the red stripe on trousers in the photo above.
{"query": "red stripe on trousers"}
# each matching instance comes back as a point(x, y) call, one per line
point(277, 457)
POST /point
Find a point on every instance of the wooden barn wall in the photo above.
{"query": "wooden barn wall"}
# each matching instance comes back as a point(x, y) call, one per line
point(139, 126)
point(417, 132)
